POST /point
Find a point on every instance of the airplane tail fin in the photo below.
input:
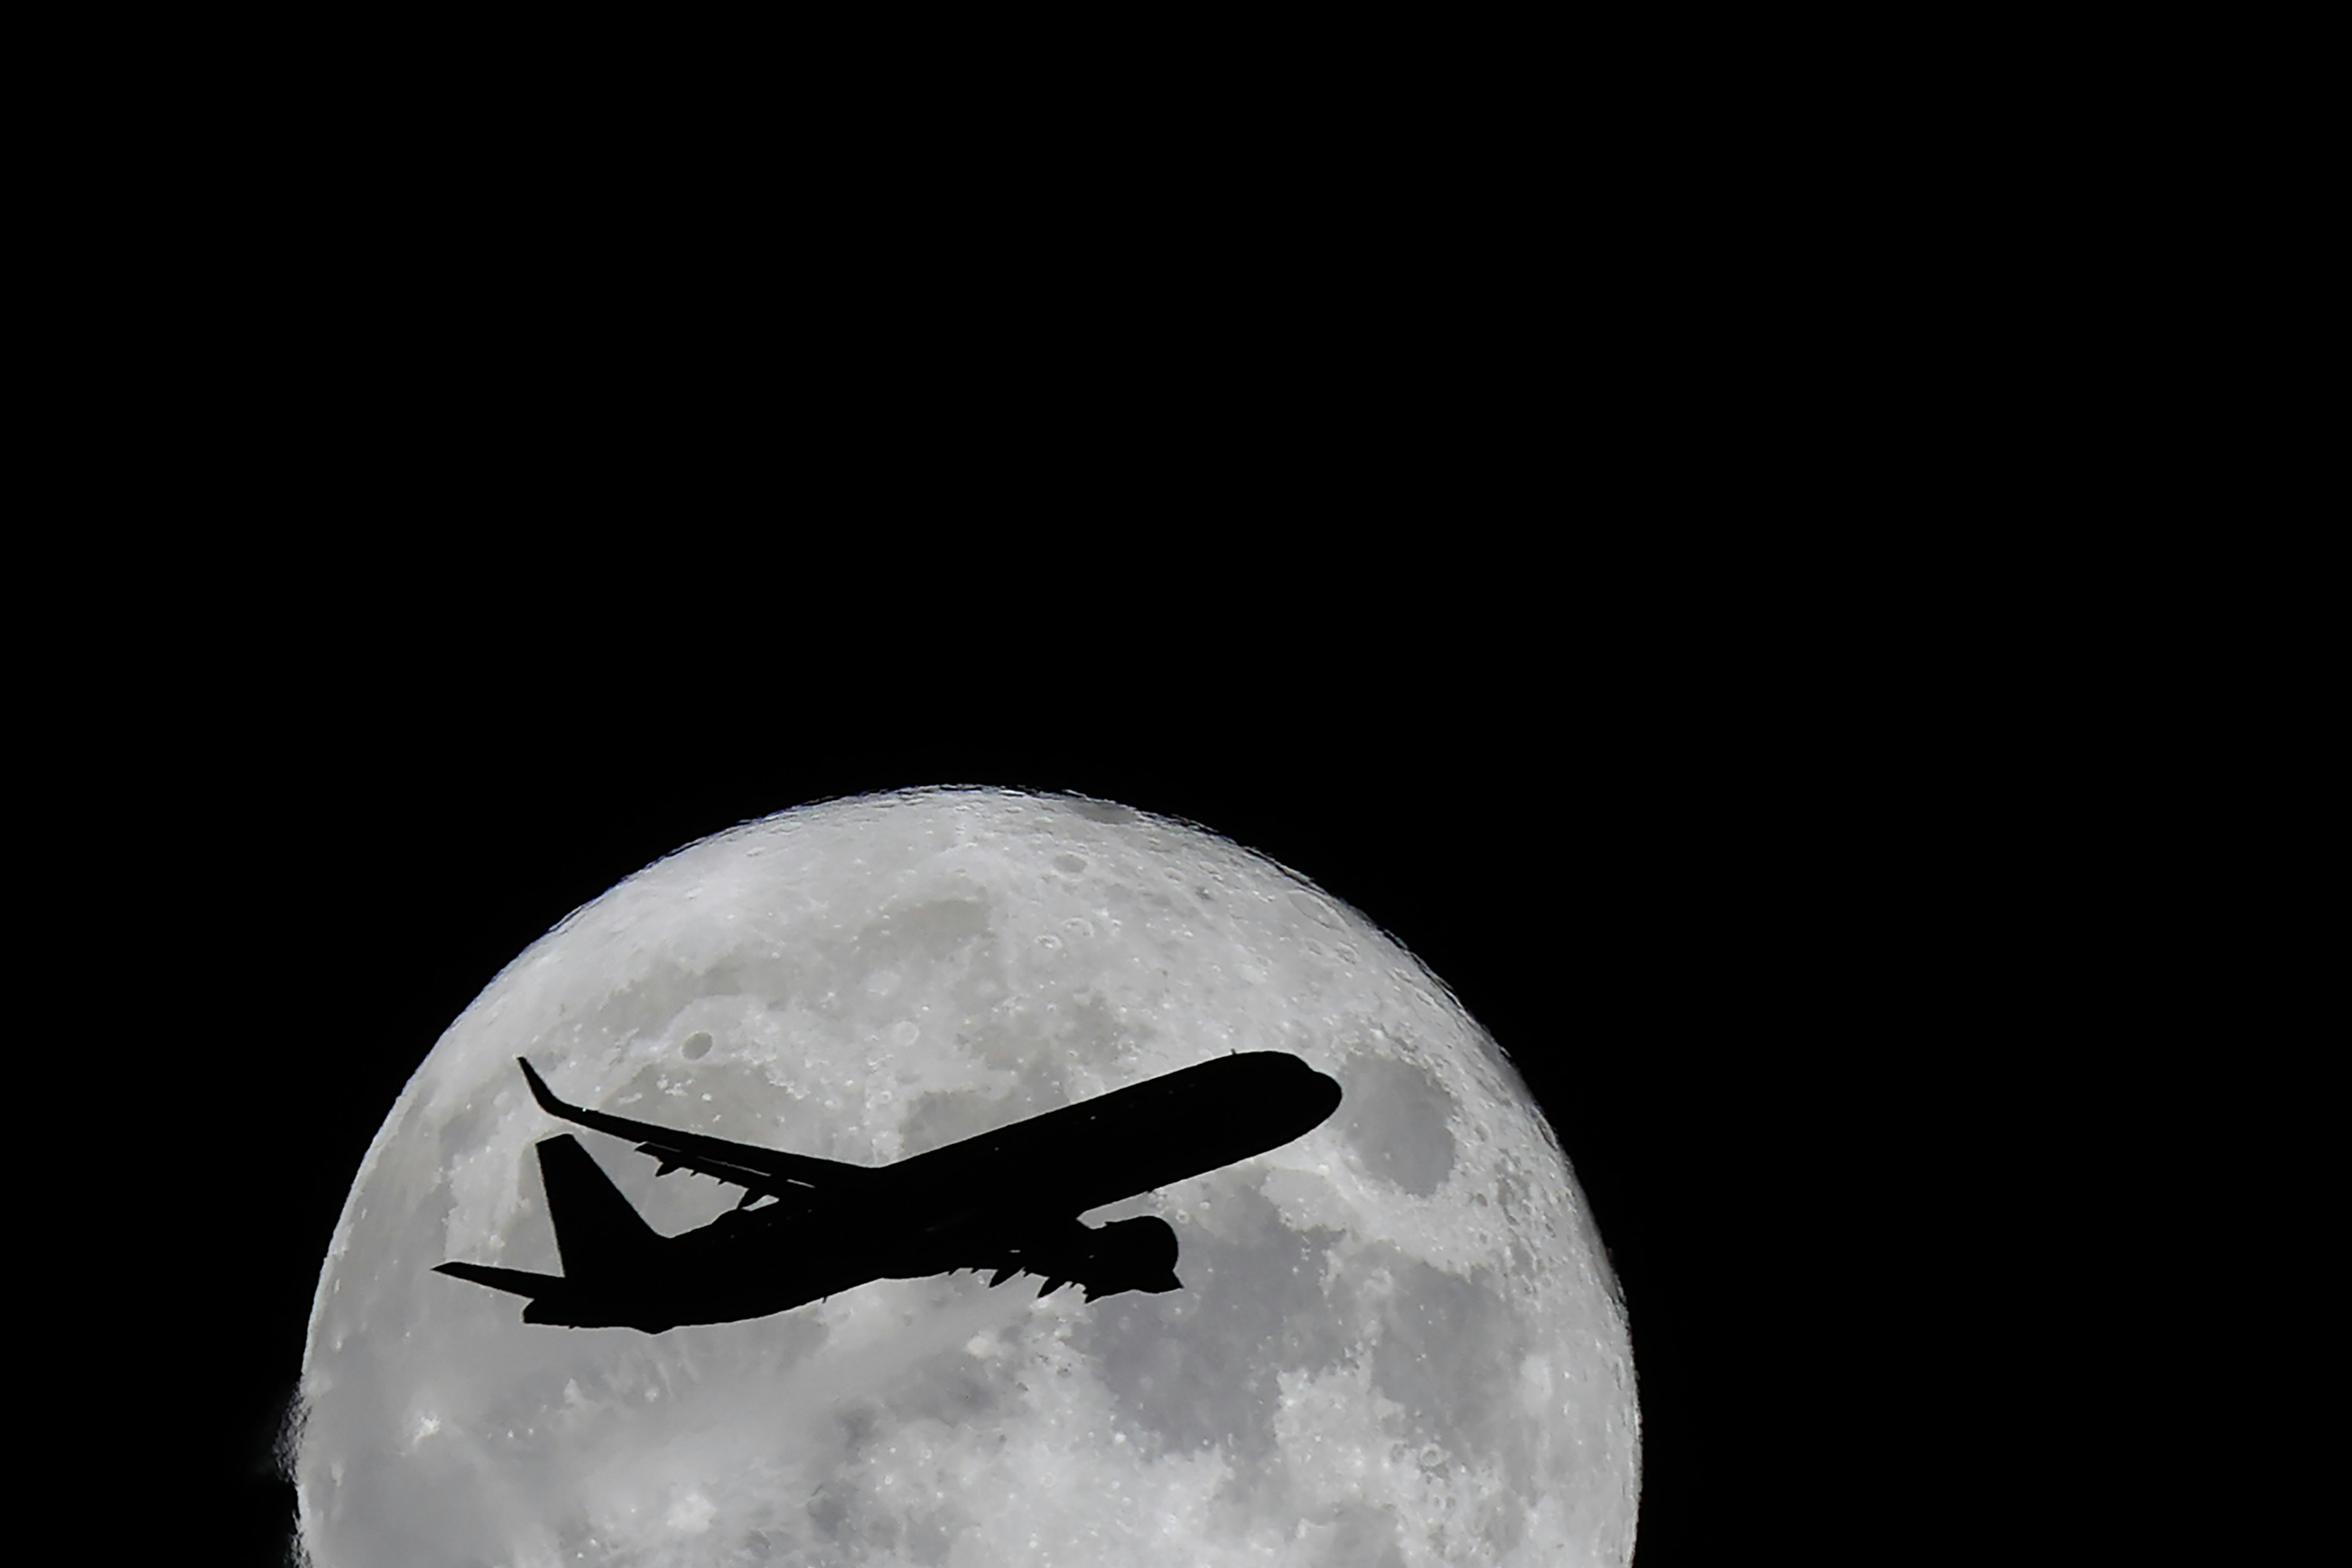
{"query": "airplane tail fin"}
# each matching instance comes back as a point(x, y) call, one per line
point(596, 1231)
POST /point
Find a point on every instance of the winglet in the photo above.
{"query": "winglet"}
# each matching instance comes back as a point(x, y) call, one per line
point(541, 1092)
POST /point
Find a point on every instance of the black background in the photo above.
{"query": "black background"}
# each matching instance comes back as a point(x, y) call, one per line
point(1665, 899)
point(1590, 572)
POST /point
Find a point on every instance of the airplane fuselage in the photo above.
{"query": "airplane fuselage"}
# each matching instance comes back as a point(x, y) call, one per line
point(1008, 1199)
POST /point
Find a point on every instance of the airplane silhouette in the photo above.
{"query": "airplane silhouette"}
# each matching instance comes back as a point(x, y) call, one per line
point(1007, 1201)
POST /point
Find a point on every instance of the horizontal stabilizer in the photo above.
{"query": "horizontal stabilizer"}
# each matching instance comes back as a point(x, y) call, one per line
point(514, 1282)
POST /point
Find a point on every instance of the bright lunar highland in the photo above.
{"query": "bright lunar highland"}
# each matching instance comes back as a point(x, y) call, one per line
point(1398, 1342)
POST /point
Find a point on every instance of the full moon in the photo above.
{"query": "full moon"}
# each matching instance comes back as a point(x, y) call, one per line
point(1398, 1342)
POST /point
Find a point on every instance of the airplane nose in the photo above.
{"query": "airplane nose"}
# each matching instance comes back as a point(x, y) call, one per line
point(1326, 1096)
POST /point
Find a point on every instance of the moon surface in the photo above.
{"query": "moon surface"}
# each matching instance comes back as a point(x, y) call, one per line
point(1399, 1342)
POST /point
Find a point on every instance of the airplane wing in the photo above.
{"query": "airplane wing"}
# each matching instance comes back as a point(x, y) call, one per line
point(747, 1165)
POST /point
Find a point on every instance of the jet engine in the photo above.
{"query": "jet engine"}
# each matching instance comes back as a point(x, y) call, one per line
point(1129, 1255)
point(1126, 1255)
